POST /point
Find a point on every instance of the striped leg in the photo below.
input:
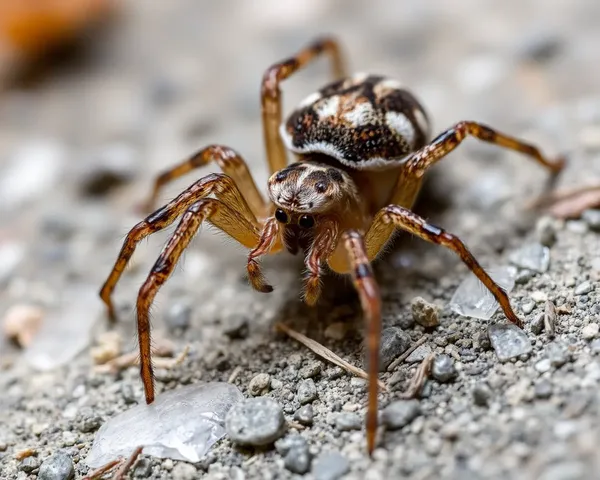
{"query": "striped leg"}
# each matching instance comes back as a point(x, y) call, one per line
point(229, 161)
point(221, 216)
point(418, 163)
point(272, 98)
point(368, 292)
point(394, 216)
point(220, 185)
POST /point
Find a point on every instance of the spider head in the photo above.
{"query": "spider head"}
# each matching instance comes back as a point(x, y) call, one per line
point(306, 189)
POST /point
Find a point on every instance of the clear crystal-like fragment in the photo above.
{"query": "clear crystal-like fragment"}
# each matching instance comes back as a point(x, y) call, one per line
point(181, 424)
point(473, 299)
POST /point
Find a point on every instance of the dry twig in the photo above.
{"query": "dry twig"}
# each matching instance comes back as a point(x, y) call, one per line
point(327, 354)
point(405, 355)
point(103, 469)
point(569, 203)
point(132, 358)
point(419, 378)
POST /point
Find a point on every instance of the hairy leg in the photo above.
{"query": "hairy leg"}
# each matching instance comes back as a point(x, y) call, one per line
point(221, 216)
point(272, 98)
point(418, 162)
point(394, 216)
point(229, 161)
point(323, 245)
point(370, 299)
point(219, 185)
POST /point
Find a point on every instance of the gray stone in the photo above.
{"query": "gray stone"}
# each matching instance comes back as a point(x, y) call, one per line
point(419, 354)
point(545, 231)
point(307, 391)
point(259, 384)
point(424, 313)
point(311, 370)
point(305, 415)
point(90, 423)
point(558, 354)
point(508, 341)
point(443, 369)
point(295, 452)
point(394, 342)
point(595, 346)
point(400, 413)
point(255, 421)
point(143, 468)
point(590, 331)
point(178, 315)
point(481, 394)
point(583, 288)
point(534, 257)
point(330, 466)
point(537, 324)
point(543, 389)
point(29, 464)
point(346, 421)
point(592, 218)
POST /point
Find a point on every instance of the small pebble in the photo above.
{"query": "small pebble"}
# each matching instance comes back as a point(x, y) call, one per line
point(539, 296)
point(545, 231)
point(311, 370)
point(595, 347)
point(184, 471)
point(443, 369)
point(255, 421)
point(558, 354)
point(295, 452)
point(508, 341)
point(259, 384)
point(29, 464)
point(21, 323)
point(419, 354)
point(347, 421)
point(592, 218)
point(90, 424)
point(394, 342)
point(143, 468)
point(481, 394)
point(336, 331)
point(307, 391)
point(330, 466)
point(583, 288)
point(400, 413)
point(537, 324)
point(589, 332)
point(305, 415)
point(424, 313)
point(178, 316)
point(528, 307)
point(543, 389)
point(115, 165)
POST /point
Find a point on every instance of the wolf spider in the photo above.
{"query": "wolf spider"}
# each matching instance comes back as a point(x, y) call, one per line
point(362, 145)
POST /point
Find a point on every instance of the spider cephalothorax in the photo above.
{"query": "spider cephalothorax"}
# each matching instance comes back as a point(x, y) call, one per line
point(362, 145)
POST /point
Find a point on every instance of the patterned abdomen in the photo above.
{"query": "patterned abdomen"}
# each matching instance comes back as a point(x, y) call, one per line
point(366, 122)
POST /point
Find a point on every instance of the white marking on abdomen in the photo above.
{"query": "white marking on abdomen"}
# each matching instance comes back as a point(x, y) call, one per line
point(400, 124)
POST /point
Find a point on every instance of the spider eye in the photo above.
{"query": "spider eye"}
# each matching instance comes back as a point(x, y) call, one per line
point(281, 216)
point(306, 221)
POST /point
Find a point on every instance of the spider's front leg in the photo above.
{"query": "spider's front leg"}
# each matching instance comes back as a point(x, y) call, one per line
point(395, 216)
point(220, 185)
point(271, 94)
point(221, 216)
point(370, 300)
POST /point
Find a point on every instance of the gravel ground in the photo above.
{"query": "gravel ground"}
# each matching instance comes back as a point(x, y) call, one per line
point(79, 149)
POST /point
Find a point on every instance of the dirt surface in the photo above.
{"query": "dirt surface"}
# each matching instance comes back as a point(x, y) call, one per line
point(171, 77)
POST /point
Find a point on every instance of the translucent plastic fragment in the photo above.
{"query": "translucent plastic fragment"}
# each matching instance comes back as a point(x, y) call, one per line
point(181, 424)
point(66, 330)
point(473, 299)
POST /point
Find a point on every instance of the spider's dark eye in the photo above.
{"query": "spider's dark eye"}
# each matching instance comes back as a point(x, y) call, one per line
point(306, 221)
point(281, 216)
point(320, 187)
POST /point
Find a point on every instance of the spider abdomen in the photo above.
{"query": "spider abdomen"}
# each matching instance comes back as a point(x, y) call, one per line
point(365, 122)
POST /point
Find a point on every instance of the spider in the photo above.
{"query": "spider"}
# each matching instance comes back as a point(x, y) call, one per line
point(362, 146)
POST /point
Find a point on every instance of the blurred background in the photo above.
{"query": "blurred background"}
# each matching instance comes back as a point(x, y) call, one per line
point(98, 96)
